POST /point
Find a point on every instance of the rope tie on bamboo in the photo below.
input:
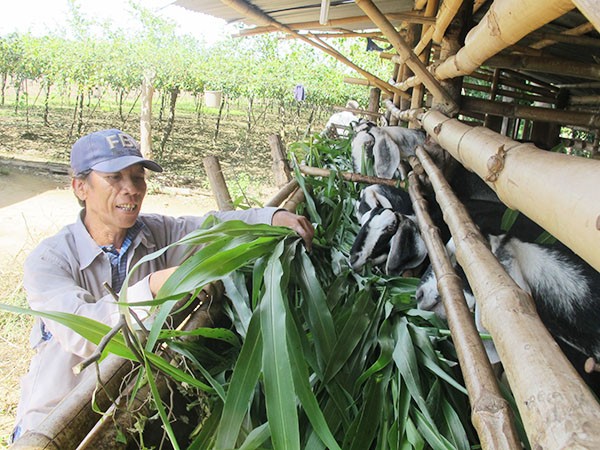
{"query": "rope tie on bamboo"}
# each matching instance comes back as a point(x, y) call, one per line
point(495, 164)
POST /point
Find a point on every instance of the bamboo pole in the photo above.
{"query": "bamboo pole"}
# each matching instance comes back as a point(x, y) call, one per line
point(217, 183)
point(557, 408)
point(283, 193)
point(577, 31)
point(412, 61)
point(348, 176)
point(295, 199)
point(530, 180)
point(341, 22)
point(506, 93)
point(409, 115)
point(563, 117)
point(252, 12)
point(506, 28)
point(490, 412)
point(589, 8)
point(499, 28)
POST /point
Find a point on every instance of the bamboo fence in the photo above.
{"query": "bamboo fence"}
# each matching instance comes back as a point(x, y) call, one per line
point(558, 409)
point(530, 180)
point(490, 412)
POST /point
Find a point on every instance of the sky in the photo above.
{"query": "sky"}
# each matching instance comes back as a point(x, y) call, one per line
point(41, 16)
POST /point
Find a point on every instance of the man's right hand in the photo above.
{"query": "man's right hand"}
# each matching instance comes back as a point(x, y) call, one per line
point(158, 278)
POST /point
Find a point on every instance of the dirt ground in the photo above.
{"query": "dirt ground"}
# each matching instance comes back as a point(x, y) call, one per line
point(32, 207)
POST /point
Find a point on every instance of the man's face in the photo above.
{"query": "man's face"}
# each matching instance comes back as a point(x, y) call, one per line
point(112, 200)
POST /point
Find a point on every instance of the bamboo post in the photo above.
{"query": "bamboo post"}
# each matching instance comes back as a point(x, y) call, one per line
point(281, 169)
point(283, 193)
point(530, 180)
point(412, 61)
point(546, 64)
point(490, 412)
point(410, 115)
point(217, 183)
point(558, 409)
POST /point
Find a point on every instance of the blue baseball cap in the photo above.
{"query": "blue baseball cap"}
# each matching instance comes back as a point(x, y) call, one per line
point(108, 151)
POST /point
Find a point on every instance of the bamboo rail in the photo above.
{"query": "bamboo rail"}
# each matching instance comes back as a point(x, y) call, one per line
point(546, 65)
point(411, 60)
point(561, 116)
point(350, 176)
point(557, 408)
point(342, 22)
point(577, 31)
point(530, 180)
point(490, 412)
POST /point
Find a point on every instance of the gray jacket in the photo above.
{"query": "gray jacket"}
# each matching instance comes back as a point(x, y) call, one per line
point(66, 273)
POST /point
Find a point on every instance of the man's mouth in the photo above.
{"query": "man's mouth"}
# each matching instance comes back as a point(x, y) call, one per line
point(128, 207)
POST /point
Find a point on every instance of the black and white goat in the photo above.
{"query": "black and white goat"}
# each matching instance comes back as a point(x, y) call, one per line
point(385, 146)
point(383, 212)
point(565, 289)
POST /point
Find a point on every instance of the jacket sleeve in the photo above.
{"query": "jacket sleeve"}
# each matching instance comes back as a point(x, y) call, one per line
point(51, 283)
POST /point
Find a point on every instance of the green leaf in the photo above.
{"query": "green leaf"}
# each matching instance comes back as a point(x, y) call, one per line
point(242, 385)
point(508, 219)
point(278, 382)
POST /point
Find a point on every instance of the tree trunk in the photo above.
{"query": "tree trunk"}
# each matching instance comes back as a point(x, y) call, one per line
point(3, 91)
point(47, 104)
point(219, 119)
point(171, 120)
point(146, 115)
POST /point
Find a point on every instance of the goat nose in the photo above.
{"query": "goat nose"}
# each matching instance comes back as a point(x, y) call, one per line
point(419, 296)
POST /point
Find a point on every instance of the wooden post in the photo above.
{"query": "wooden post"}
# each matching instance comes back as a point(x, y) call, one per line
point(281, 168)
point(374, 96)
point(217, 183)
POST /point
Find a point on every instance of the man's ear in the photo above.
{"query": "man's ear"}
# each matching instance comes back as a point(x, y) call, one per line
point(79, 188)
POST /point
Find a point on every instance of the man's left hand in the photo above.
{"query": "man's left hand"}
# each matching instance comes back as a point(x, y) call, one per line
point(299, 224)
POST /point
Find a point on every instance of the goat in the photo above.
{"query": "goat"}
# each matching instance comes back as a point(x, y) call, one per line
point(386, 146)
point(565, 289)
point(381, 211)
point(394, 241)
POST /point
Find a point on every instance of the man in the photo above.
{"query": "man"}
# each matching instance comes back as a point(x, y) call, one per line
point(342, 121)
point(66, 272)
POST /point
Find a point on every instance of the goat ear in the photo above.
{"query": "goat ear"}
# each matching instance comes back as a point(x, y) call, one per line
point(386, 154)
point(407, 249)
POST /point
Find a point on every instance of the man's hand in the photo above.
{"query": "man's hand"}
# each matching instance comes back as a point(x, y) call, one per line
point(299, 224)
point(158, 278)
